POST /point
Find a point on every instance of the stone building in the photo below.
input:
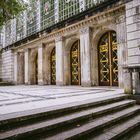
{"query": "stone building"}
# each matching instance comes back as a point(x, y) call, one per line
point(73, 42)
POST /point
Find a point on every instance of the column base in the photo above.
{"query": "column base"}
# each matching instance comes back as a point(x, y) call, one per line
point(59, 83)
point(41, 83)
point(128, 88)
point(86, 84)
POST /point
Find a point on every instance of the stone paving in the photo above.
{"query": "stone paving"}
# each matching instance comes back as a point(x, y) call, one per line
point(23, 98)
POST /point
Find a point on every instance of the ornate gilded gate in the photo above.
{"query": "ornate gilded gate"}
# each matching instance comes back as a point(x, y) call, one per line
point(53, 67)
point(108, 61)
point(75, 63)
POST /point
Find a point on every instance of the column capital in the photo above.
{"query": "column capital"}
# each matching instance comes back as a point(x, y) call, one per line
point(59, 38)
point(85, 30)
point(26, 49)
point(120, 19)
point(16, 53)
point(41, 45)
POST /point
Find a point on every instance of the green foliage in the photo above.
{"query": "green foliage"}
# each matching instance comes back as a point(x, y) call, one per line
point(9, 9)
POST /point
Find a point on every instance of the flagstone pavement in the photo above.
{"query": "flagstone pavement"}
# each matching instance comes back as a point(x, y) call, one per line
point(15, 99)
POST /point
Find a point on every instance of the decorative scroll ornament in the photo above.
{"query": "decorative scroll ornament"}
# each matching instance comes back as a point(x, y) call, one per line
point(47, 7)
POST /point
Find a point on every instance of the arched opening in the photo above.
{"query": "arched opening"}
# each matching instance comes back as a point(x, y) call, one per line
point(75, 63)
point(53, 66)
point(107, 59)
point(33, 67)
point(20, 79)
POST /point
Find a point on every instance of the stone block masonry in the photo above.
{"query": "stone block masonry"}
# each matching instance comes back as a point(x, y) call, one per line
point(133, 32)
point(7, 66)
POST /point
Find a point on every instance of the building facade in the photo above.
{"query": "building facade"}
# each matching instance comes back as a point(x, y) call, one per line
point(73, 42)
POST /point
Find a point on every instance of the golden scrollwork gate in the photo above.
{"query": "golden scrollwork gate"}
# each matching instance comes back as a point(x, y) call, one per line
point(75, 63)
point(53, 67)
point(108, 61)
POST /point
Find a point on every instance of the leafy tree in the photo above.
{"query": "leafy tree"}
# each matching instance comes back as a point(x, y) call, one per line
point(9, 9)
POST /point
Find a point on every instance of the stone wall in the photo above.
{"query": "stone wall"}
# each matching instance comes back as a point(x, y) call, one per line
point(0, 68)
point(7, 66)
point(133, 32)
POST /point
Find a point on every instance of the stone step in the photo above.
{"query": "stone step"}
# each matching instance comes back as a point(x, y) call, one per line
point(132, 135)
point(5, 83)
point(67, 119)
point(99, 123)
point(61, 109)
point(117, 131)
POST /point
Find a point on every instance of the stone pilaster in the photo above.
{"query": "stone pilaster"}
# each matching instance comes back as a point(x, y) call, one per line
point(136, 82)
point(16, 67)
point(122, 48)
point(59, 61)
point(85, 48)
point(27, 66)
point(127, 76)
point(41, 52)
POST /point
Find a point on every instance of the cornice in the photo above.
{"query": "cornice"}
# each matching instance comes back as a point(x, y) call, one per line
point(90, 22)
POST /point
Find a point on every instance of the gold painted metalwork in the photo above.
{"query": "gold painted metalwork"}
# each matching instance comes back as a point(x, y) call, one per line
point(108, 61)
point(53, 67)
point(75, 64)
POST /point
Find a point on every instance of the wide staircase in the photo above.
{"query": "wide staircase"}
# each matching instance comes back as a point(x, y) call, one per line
point(108, 118)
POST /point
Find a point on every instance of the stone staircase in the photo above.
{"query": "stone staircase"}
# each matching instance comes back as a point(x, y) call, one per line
point(108, 118)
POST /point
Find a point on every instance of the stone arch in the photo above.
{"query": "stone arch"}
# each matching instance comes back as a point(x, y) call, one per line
point(47, 65)
point(34, 66)
point(20, 76)
point(97, 34)
point(67, 71)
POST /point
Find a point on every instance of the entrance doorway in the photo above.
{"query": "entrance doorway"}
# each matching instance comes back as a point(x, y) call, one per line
point(53, 67)
point(75, 63)
point(107, 60)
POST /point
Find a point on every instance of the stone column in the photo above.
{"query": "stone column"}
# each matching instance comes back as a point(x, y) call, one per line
point(128, 86)
point(136, 82)
point(59, 61)
point(122, 48)
point(41, 52)
point(27, 65)
point(16, 67)
point(85, 48)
